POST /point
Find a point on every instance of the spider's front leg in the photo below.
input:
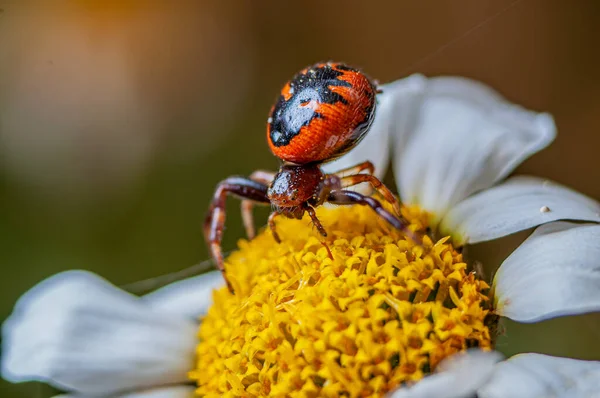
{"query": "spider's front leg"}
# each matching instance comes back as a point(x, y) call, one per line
point(351, 197)
point(313, 216)
point(329, 183)
point(214, 222)
point(379, 186)
point(357, 169)
point(272, 225)
point(355, 178)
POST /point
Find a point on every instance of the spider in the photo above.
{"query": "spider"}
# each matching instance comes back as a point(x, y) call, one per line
point(322, 113)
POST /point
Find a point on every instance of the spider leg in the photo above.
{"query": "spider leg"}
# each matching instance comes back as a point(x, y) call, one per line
point(272, 225)
point(380, 187)
point(214, 222)
point(330, 183)
point(248, 218)
point(350, 197)
point(313, 216)
point(264, 177)
point(357, 169)
point(322, 231)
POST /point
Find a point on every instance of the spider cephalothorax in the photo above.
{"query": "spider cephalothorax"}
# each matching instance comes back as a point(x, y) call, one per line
point(322, 113)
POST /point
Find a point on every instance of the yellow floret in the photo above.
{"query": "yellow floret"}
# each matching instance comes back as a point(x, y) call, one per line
point(357, 313)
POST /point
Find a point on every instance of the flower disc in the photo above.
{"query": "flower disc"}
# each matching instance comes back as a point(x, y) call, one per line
point(357, 314)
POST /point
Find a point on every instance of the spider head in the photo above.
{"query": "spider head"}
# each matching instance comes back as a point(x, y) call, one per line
point(295, 185)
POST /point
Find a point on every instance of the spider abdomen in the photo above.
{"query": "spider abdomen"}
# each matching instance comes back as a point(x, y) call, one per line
point(323, 112)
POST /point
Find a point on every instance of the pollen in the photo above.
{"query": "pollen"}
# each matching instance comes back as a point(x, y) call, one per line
point(356, 314)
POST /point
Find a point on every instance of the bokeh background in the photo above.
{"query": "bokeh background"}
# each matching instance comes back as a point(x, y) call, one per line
point(117, 119)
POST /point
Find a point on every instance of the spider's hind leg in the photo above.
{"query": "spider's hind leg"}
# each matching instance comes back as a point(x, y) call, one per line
point(263, 177)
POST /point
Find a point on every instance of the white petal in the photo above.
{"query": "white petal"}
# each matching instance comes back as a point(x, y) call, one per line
point(553, 273)
point(459, 376)
point(80, 333)
point(165, 392)
point(190, 297)
point(518, 204)
point(537, 376)
point(395, 106)
point(466, 137)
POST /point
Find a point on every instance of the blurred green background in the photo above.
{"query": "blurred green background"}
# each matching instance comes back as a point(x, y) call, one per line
point(117, 119)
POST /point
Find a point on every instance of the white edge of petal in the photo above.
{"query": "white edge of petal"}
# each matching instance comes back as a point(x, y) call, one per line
point(52, 321)
point(190, 297)
point(458, 376)
point(553, 273)
point(483, 95)
point(536, 375)
point(519, 203)
point(163, 392)
point(414, 174)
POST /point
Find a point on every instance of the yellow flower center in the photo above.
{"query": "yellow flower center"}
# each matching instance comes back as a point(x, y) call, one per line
point(355, 314)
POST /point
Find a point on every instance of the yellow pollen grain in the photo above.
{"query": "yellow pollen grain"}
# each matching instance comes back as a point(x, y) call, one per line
point(383, 312)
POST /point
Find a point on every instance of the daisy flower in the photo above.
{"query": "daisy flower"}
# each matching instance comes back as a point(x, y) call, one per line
point(366, 312)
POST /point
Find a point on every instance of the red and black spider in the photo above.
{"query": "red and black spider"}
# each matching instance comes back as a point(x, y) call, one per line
point(322, 113)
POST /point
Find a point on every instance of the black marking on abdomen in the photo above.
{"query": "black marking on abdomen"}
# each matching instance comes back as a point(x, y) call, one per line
point(290, 116)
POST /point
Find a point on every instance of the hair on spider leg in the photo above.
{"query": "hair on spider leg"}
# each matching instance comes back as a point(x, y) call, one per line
point(326, 246)
point(311, 224)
